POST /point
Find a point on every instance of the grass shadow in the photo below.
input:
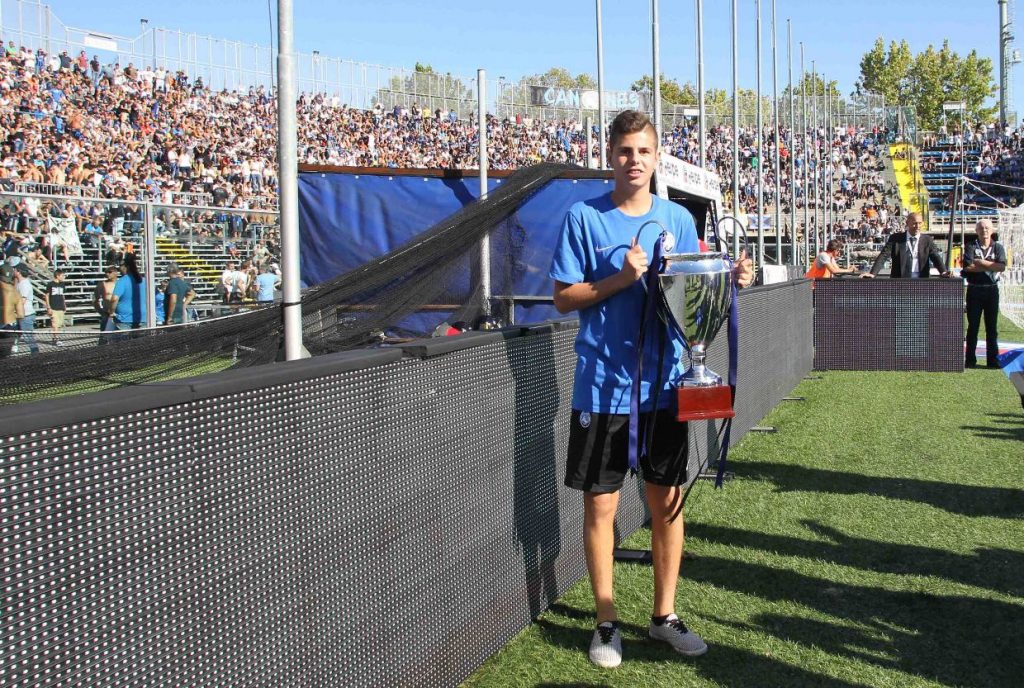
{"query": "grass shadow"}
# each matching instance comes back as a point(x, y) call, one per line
point(993, 569)
point(968, 500)
point(996, 433)
point(956, 640)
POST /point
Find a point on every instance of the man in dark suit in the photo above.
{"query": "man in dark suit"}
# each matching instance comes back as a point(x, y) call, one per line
point(911, 252)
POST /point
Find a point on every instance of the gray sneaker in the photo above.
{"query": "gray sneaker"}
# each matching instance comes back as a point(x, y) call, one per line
point(675, 633)
point(606, 647)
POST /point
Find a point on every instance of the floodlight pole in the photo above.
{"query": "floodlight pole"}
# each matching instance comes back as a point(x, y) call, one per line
point(736, 131)
point(485, 240)
point(778, 148)
point(603, 145)
point(792, 150)
point(1003, 71)
point(807, 153)
point(656, 70)
point(817, 157)
point(288, 186)
point(759, 138)
point(826, 209)
point(701, 110)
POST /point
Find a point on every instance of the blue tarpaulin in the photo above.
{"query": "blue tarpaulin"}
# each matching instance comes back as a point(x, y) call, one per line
point(347, 219)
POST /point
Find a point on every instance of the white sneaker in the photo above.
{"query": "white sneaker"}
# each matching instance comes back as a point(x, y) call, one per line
point(606, 646)
point(14, 348)
point(675, 633)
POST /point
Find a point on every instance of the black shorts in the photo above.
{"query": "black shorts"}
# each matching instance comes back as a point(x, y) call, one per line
point(598, 457)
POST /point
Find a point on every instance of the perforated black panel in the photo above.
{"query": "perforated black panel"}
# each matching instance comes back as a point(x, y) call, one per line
point(347, 529)
point(889, 324)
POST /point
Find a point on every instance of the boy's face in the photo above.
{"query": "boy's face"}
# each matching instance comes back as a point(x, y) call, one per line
point(634, 158)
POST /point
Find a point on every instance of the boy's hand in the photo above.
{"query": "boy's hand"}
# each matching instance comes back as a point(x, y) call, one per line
point(743, 272)
point(634, 265)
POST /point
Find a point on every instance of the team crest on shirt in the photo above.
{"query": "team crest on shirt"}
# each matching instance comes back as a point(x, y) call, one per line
point(668, 243)
point(584, 419)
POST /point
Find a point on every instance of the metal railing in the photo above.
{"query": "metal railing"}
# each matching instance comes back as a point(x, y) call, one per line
point(184, 223)
point(188, 198)
point(55, 189)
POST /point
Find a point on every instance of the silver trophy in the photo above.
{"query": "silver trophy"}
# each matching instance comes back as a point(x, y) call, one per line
point(696, 291)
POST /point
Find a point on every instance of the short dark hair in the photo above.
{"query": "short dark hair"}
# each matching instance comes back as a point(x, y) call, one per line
point(834, 245)
point(629, 122)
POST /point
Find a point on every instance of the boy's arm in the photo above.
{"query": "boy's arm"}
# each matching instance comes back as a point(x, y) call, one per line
point(574, 297)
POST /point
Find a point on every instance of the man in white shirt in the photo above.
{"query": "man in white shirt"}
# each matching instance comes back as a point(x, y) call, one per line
point(26, 307)
point(227, 281)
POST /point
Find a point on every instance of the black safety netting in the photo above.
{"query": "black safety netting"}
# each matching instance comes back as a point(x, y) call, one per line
point(430, 286)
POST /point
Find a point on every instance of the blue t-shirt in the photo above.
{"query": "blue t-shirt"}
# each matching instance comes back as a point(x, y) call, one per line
point(131, 300)
point(593, 242)
point(265, 286)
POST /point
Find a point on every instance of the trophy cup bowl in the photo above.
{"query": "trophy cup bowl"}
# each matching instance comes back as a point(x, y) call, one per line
point(696, 293)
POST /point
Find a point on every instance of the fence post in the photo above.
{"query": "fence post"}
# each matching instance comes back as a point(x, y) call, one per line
point(149, 240)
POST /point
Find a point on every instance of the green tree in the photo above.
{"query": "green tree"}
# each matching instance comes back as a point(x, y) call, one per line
point(815, 85)
point(886, 72)
point(427, 88)
point(671, 92)
point(926, 80)
point(559, 77)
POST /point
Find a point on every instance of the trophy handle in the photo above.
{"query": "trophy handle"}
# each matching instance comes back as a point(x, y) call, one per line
point(639, 232)
point(721, 239)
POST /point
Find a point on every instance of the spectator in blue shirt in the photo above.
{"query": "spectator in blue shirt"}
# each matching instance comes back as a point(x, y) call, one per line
point(128, 303)
point(266, 283)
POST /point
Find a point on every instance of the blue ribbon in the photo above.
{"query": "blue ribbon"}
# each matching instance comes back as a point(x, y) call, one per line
point(734, 359)
point(647, 319)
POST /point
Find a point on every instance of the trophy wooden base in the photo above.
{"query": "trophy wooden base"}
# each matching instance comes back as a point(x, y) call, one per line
point(703, 403)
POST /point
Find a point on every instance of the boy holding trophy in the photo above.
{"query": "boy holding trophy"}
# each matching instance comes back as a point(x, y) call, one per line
point(597, 268)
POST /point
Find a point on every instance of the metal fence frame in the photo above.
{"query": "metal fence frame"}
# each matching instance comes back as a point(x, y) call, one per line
point(252, 527)
point(154, 224)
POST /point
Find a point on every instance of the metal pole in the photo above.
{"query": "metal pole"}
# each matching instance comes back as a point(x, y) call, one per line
point(777, 151)
point(829, 122)
point(288, 175)
point(656, 48)
point(792, 150)
point(485, 240)
point(817, 157)
point(759, 138)
point(590, 139)
point(600, 91)
point(701, 110)
point(1003, 33)
point(807, 154)
point(736, 131)
point(149, 240)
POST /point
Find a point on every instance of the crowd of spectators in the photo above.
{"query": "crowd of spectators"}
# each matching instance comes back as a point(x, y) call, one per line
point(136, 133)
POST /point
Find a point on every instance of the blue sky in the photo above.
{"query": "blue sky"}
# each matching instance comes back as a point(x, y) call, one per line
point(521, 37)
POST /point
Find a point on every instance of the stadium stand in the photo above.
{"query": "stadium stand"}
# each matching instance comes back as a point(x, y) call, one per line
point(95, 141)
point(992, 167)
